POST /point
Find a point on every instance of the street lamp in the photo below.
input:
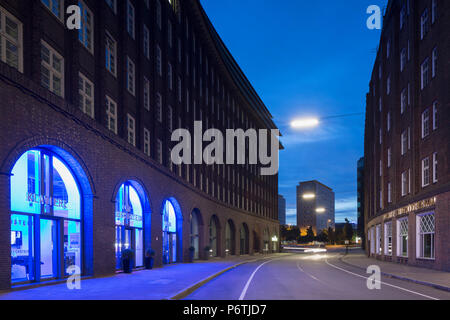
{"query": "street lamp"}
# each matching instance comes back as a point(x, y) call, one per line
point(309, 196)
point(320, 210)
point(305, 123)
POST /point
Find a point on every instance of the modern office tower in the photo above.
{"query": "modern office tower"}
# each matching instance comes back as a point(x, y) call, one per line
point(315, 207)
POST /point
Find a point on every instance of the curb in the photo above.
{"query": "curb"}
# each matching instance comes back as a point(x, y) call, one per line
point(394, 276)
point(186, 292)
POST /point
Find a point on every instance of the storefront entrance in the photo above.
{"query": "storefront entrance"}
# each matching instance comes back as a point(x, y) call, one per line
point(129, 224)
point(45, 219)
point(170, 233)
point(49, 249)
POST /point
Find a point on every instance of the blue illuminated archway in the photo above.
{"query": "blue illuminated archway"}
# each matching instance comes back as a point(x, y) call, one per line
point(172, 226)
point(132, 221)
point(51, 216)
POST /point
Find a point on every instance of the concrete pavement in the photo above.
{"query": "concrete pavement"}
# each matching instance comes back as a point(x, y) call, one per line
point(429, 277)
point(156, 284)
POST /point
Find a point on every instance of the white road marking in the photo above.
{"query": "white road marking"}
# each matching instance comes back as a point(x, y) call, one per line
point(309, 275)
point(244, 292)
point(384, 283)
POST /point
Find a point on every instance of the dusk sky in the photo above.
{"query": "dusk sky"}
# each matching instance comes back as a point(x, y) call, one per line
point(307, 58)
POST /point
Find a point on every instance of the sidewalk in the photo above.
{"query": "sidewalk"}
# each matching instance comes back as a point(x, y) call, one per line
point(428, 277)
point(156, 284)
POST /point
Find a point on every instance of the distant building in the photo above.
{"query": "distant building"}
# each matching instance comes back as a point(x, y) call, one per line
point(315, 206)
point(282, 210)
point(360, 193)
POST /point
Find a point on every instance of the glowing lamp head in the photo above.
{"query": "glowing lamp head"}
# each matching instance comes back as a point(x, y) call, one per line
point(307, 196)
point(305, 123)
point(320, 210)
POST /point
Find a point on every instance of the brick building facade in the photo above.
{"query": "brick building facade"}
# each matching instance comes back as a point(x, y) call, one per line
point(407, 139)
point(104, 101)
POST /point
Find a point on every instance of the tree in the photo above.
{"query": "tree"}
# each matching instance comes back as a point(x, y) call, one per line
point(348, 230)
point(323, 236)
point(331, 235)
point(310, 234)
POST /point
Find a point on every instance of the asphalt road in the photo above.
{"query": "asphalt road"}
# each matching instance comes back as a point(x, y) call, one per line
point(308, 277)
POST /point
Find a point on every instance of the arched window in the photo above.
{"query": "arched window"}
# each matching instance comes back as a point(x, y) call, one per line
point(213, 232)
point(171, 232)
point(230, 238)
point(46, 219)
point(244, 235)
point(195, 234)
point(129, 224)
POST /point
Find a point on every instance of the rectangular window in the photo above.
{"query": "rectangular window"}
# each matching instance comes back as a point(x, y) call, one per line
point(402, 59)
point(378, 239)
point(146, 41)
point(424, 24)
point(169, 34)
point(131, 130)
point(403, 101)
point(52, 70)
point(187, 101)
point(425, 237)
point(404, 142)
point(404, 183)
point(402, 237)
point(146, 142)
point(425, 123)
point(388, 49)
point(435, 168)
point(131, 76)
point(56, 7)
point(169, 76)
point(159, 107)
point(388, 122)
point(112, 4)
point(402, 17)
point(86, 95)
point(434, 62)
point(130, 19)
point(158, 13)
point(111, 115)
point(389, 193)
point(86, 33)
point(389, 157)
point(11, 40)
point(388, 86)
point(425, 172)
point(179, 89)
point(433, 11)
point(111, 54)
point(170, 118)
point(146, 94)
point(424, 73)
point(159, 151)
point(159, 60)
point(388, 238)
point(435, 115)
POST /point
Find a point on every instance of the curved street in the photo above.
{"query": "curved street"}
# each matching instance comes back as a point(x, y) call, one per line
point(308, 277)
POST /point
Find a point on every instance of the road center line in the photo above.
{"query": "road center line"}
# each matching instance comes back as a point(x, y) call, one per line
point(244, 292)
point(384, 283)
point(309, 275)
